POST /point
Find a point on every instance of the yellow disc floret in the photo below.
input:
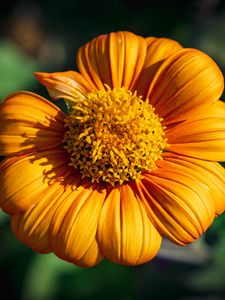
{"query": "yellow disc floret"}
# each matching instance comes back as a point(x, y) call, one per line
point(113, 136)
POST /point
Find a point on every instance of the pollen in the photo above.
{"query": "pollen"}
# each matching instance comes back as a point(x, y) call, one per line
point(113, 136)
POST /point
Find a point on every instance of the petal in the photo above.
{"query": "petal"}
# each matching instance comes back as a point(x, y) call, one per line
point(125, 233)
point(184, 82)
point(29, 122)
point(64, 85)
point(177, 203)
point(158, 50)
point(115, 59)
point(210, 175)
point(74, 226)
point(203, 137)
point(32, 226)
point(36, 173)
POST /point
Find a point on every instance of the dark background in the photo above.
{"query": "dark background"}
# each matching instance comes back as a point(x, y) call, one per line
point(44, 36)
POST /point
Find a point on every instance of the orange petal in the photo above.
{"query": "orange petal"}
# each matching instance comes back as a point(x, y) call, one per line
point(125, 233)
point(25, 179)
point(32, 226)
point(158, 50)
point(115, 59)
point(184, 82)
point(29, 122)
point(210, 175)
point(203, 137)
point(74, 226)
point(179, 205)
point(64, 85)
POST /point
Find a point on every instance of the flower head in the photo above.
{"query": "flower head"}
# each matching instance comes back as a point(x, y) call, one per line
point(133, 161)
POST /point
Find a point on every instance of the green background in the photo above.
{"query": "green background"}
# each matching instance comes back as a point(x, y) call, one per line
point(44, 36)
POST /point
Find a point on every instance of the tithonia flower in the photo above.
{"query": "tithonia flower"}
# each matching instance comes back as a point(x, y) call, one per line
point(133, 160)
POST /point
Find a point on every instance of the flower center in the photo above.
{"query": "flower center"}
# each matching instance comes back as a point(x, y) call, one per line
point(113, 136)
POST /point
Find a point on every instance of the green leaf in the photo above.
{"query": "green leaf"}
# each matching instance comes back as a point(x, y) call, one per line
point(41, 279)
point(16, 69)
point(3, 217)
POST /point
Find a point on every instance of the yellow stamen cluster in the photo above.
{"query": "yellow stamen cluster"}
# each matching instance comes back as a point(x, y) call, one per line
point(113, 136)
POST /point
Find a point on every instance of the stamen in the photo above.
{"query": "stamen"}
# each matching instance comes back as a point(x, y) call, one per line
point(113, 136)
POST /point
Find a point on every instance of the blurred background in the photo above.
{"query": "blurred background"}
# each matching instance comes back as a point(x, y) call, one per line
point(44, 35)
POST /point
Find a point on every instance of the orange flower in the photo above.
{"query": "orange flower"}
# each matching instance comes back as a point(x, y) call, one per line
point(133, 160)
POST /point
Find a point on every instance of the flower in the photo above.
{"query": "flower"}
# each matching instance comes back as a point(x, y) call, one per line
point(133, 161)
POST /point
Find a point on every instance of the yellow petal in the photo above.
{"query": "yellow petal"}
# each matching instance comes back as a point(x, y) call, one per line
point(158, 49)
point(210, 175)
point(29, 122)
point(32, 226)
point(74, 226)
point(125, 233)
point(64, 85)
point(178, 205)
point(203, 137)
point(24, 179)
point(115, 59)
point(184, 82)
